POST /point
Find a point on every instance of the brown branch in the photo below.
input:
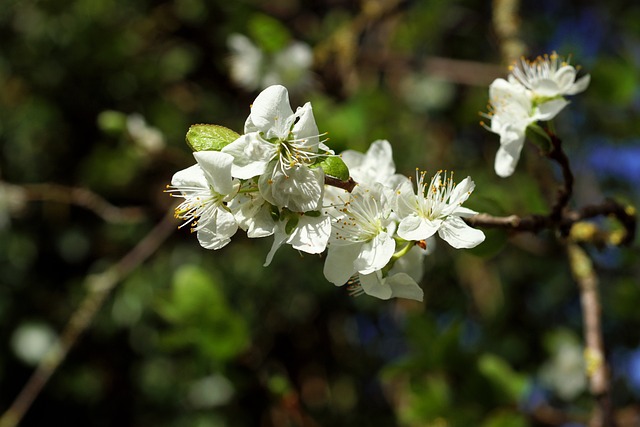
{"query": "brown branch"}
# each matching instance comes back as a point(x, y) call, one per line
point(100, 286)
point(537, 223)
point(347, 185)
point(566, 190)
point(80, 197)
point(597, 369)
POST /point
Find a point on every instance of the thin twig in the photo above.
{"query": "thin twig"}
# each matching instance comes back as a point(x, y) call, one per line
point(99, 286)
point(566, 189)
point(597, 369)
point(83, 198)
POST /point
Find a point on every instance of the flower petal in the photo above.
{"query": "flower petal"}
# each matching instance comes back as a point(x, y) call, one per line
point(507, 157)
point(458, 234)
point(397, 286)
point(548, 110)
point(338, 266)
point(580, 85)
point(305, 131)
point(311, 234)
point(298, 188)
point(403, 286)
point(415, 228)
point(375, 254)
point(218, 231)
point(271, 113)
point(217, 168)
point(193, 176)
point(251, 154)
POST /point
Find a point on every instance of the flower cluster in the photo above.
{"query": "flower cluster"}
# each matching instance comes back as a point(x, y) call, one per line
point(534, 91)
point(270, 181)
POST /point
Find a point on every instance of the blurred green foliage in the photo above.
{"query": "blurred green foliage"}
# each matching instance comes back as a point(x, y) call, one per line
point(200, 338)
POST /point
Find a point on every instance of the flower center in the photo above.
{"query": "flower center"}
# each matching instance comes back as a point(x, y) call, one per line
point(362, 221)
point(198, 207)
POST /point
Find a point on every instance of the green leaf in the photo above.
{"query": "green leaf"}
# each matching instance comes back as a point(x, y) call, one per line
point(335, 167)
point(210, 137)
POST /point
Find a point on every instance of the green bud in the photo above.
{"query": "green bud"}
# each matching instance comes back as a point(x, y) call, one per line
point(335, 167)
point(210, 137)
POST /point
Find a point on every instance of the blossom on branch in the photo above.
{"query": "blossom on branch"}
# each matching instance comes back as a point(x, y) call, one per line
point(281, 147)
point(533, 92)
point(206, 187)
point(437, 208)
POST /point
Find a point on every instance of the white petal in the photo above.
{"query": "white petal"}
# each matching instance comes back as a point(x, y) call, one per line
point(565, 77)
point(458, 234)
point(261, 224)
point(548, 110)
point(279, 237)
point(218, 231)
point(403, 286)
point(375, 166)
point(580, 85)
point(192, 176)
point(507, 157)
point(299, 188)
point(374, 285)
point(415, 228)
point(461, 192)
point(251, 154)
point(397, 286)
point(338, 266)
point(311, 234)
point(252, 214)
point(305, 131)
point(375, 254)
point(217, 168)
point(463, 212)
point(405, 198)
point(271, 113)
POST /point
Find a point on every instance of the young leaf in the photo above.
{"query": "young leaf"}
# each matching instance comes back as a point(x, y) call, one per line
point(335, 167)
point(210, 137)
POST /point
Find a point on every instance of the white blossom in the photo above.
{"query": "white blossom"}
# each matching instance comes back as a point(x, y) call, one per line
point(511, 111)
point(549, 76)
point(310, 233)
point(534, 91)
point(437, 208)
point(206, 187)
point(279, 146)
point(362, 235)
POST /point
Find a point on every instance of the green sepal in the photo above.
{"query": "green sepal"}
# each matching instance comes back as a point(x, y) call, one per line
point(335, 167)
point(210, 137)
point(275, 213)
point(291, 224)
point(539, 137)
point(313, 214)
